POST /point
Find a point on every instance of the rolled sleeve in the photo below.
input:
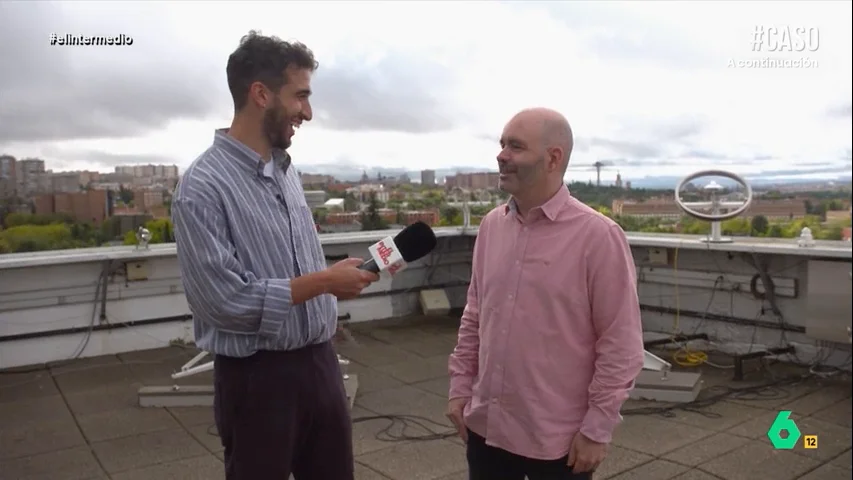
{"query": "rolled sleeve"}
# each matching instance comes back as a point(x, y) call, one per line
point(278, 302)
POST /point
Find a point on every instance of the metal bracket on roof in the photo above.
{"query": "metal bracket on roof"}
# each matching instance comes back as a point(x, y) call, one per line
point(202, 395)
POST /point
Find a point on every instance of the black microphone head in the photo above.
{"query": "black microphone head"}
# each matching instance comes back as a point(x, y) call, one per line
point(415, 241)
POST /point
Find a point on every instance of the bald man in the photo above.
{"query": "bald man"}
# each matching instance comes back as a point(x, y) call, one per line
point(550, 341)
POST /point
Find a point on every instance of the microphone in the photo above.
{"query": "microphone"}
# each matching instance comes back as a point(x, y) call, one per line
point(393, 254)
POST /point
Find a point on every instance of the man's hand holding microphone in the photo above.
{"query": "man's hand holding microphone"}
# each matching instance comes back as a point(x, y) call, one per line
point(345, 280)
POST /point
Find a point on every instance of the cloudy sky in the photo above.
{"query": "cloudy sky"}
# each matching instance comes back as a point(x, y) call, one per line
point(653, 87)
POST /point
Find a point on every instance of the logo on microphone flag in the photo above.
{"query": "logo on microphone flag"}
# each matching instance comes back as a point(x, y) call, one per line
point(387, 256)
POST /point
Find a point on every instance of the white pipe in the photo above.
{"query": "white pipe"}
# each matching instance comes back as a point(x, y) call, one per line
point(194, 360)
point(193, 371)
point(655, 363)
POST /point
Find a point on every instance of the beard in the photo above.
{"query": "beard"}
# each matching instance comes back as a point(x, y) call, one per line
point(523, 176)
point(275, 126)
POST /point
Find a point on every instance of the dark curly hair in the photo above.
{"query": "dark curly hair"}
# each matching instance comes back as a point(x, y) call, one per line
point(261, 58)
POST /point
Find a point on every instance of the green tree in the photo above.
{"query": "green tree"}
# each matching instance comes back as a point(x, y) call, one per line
point(450, 216)
point(835, 231)
point(110, 229)
point(481, 210)
point(320, 215)
point(351, 203)
point(370, 219)
point(19, 219)
point(738, 226)
point(794, 228)
point(759, 225)
point(692, 226)
point(604, 211)
point(34, 238)
point(775, 231)
point(125, 195)
point(161, 232)
point(129, 238)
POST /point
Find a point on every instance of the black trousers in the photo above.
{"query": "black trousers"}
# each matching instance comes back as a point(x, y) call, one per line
point(491, 463)
point(284, 412)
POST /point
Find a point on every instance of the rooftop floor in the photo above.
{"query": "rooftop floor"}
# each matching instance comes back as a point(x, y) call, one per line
point(81, 421)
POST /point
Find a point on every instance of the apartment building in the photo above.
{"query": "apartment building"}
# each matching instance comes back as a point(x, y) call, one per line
point(93, 206)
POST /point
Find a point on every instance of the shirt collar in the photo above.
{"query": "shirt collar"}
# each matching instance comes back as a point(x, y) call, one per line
point(245, 155)
point(550, 209)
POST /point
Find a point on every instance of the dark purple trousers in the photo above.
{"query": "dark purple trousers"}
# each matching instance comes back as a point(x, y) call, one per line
point(284, 412)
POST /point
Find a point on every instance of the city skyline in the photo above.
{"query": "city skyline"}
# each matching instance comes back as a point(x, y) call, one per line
point(349, 173)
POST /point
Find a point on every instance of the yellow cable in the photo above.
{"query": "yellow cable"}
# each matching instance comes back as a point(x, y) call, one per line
point(683, 357)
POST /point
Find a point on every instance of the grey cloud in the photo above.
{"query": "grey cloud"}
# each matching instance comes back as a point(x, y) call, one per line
point(103, 159)
point(72, 92)
point(645, 139)
point(834, 169)
point(54, 93)
point(628, 148)
point(581, 145)
point(725, 158)
point(681, 128)
point(803, 169)
point(487, 138)
point(631, 162)
point(628, 38)
point(648, 46)
point(840, 111)
point(704, 154)
point(394, 94)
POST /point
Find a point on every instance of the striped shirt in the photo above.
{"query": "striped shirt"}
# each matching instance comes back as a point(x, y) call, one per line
point(243, 229)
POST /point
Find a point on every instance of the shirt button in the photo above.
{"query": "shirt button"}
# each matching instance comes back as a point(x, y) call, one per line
point(494, 400)
point(517, 262)
point(510, 296)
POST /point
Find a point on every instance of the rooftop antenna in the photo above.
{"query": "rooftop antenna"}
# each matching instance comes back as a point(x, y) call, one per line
point(720, 209)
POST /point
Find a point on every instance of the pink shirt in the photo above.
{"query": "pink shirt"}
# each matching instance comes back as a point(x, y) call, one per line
point(551, 339)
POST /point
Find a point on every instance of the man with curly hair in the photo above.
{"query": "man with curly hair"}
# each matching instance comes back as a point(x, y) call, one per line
point(255, 276)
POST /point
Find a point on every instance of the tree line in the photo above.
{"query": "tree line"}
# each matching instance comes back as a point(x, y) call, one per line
point(23, 232)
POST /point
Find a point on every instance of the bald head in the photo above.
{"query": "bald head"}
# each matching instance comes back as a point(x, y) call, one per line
point(535, 148)
point(553, 128)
